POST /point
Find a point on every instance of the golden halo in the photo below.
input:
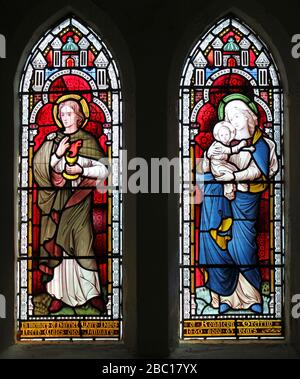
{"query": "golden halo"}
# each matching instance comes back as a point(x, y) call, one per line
point(79, 99)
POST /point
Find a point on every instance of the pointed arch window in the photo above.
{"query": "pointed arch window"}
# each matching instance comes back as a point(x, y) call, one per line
point(69, 255)
point(231, 130)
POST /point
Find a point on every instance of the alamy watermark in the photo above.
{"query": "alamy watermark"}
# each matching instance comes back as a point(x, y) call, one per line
point(2, 46)
point(2, 306)
point(160, 175)
point(296, 46)
point(296, 306)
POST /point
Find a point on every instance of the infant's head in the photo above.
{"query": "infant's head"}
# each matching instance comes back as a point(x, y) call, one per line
point(224, 132)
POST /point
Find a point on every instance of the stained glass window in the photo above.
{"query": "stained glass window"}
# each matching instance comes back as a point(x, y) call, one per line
point(231, 130)
point(69, 255)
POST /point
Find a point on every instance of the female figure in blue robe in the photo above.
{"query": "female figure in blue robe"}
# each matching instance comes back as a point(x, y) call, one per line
point(227, 245)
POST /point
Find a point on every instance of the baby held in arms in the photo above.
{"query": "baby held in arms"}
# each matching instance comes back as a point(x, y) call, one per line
point(219, 154)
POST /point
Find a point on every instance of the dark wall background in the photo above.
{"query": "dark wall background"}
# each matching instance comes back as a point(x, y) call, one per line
point(150, 39)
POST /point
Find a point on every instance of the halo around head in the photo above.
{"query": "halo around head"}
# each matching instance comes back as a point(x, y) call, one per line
point(77, 98)
point(235, 96)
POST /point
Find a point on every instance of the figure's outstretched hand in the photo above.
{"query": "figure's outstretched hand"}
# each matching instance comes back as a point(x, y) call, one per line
point(62, 147)
point(242, 144)
point(250, 148)
point(74, 170)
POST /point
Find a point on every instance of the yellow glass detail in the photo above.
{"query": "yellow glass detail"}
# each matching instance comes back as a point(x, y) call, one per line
point(220, 240)
point(257, 135)
point(71, 161)
point(258, 187)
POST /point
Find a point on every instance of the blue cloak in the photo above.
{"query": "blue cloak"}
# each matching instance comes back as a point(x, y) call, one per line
point(238, 254)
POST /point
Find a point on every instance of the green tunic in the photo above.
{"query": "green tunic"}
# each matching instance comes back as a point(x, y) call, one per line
point(66, 214)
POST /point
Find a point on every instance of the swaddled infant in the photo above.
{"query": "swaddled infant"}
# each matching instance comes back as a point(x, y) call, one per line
point(224, 133)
